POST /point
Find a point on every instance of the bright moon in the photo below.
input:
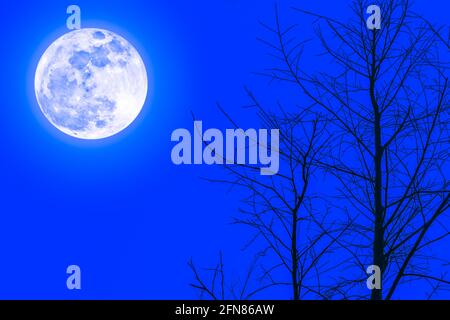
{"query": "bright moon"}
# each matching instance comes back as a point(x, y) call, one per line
point(91, 83)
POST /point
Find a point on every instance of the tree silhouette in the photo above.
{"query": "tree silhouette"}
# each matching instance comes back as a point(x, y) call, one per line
point(388, 102)
point(376, 126)
point(283, 211)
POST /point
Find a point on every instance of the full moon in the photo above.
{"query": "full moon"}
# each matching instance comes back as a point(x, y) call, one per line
point(91, 83)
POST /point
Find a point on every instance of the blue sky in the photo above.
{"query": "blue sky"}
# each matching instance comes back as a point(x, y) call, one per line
point(119, 208)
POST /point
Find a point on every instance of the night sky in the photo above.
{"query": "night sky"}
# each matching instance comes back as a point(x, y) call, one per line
point(119, 208)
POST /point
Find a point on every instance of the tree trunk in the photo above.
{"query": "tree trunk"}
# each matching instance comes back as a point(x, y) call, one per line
point(294, 256)
point(378, 240)
point(378, 243)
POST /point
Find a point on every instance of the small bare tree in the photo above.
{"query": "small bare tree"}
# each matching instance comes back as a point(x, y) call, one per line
point(212, 283)
point(284, 210)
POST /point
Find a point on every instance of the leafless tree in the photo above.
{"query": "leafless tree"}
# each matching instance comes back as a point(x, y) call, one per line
point(283, 210)
point(212, 283)
point(385, 95)
point(375, 124)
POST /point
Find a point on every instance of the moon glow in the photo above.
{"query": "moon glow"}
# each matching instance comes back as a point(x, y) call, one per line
point(91, 83)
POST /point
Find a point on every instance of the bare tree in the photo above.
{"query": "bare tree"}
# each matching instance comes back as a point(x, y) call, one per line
point(284, 212)
point(386, 100)
point(376, 126)
point(215, 288)
point(212, 283)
